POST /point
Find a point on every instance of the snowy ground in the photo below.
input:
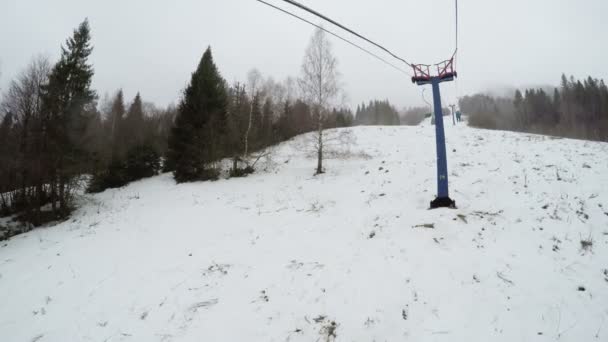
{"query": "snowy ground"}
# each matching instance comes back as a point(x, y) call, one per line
point(285, 256)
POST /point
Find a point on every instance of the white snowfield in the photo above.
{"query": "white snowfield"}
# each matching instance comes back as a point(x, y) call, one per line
point(351, 255)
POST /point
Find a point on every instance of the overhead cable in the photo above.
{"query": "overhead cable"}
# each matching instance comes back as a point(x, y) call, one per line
point(337, 36)
point(299, 5)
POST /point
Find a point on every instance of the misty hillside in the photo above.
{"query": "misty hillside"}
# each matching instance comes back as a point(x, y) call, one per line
point(349, 255)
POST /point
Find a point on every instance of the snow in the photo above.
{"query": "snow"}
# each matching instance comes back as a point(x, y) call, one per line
point(283, 255)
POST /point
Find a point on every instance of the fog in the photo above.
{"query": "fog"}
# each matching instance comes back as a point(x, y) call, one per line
point(153, 46)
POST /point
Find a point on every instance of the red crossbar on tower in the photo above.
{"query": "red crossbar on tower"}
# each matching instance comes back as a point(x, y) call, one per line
point(445, 71)
point(422, 73)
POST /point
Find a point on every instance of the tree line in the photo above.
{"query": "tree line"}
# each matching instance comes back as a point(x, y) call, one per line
point(57, 137)
point(576, 109)
point(377, 113)
point(216, 121)
point(413, 116)
point(49, 113)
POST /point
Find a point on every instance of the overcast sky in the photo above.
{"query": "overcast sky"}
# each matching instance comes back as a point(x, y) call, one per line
point(152, 46)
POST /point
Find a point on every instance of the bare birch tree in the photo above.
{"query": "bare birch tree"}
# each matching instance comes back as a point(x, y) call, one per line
point(319, 85)
point(254, 78)
point(24, 100)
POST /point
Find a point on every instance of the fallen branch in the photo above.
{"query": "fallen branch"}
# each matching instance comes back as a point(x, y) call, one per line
point(204, 304)
point(260, 156)
point(502, 277)
point(487, 213)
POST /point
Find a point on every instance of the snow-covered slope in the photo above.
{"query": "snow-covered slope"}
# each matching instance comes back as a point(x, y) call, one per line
point(285, 256)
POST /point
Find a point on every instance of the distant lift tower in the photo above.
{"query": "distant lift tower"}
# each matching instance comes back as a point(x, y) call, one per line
point(422, 76)
point(452, 106)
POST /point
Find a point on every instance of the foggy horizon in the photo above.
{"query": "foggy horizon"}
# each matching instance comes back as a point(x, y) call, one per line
point(152, 47)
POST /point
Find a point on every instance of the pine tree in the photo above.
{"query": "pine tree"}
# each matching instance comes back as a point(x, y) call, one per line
point(112, 174)
point(134, 154)
point(134, 123)
point(604, 101)
point(556, 108)
point(196, 139)
point(143, 159)
point(117, 132)
point(69, 102)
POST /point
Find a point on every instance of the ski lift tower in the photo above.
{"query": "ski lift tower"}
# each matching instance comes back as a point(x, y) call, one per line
point(422, 76)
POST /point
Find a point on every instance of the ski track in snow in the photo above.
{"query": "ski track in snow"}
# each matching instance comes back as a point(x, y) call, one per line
point(286, 256)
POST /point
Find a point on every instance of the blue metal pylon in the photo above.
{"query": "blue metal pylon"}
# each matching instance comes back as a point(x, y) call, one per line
point(443, 197)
